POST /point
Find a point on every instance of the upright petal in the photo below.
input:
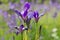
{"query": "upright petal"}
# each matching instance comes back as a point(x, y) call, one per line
point(25, 13)
point(27, 5)
point(21, 28)
point(36, 16)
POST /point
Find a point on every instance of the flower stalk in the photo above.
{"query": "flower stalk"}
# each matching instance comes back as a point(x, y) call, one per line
point(37, 31)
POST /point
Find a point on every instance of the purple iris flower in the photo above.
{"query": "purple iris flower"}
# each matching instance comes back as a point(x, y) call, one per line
point(36, 15)
point(21, 29)
point(24, 13)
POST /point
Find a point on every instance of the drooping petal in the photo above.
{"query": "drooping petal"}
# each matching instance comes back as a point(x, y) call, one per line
point(18, 13)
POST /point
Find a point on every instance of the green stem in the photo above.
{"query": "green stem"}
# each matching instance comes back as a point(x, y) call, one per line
point(25, 36)
point(13, 37)
point(37, 32)
point(22, 36)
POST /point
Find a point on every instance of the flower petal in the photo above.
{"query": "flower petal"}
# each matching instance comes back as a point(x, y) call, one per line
point(18, 13)
point(36, 15)
point(27, 5)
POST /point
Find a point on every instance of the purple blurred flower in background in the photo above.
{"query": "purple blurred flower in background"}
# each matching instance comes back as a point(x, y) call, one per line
point(11, 5)
point(12, 21)
point(1, 11)
point(58, 7)
point(22, 1)
point(53, 2)
point(5, 15)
